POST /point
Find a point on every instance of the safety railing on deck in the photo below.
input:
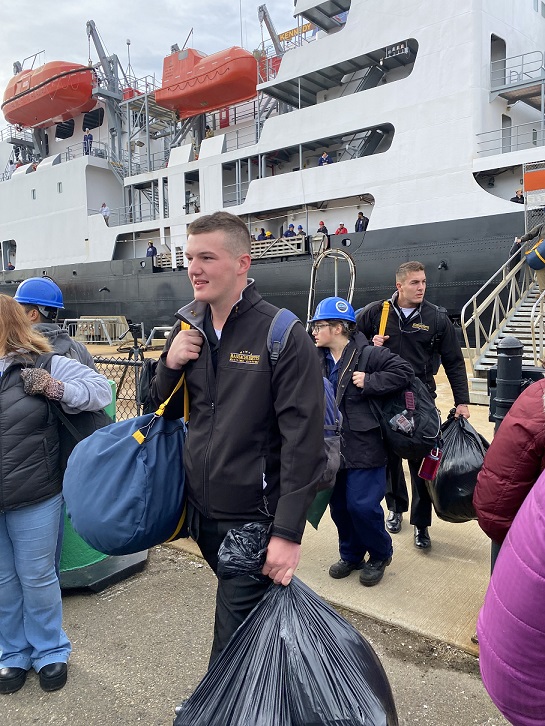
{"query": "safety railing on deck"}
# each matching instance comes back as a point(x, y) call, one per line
point(512, 138)
point(525, 68)
point(484, 315)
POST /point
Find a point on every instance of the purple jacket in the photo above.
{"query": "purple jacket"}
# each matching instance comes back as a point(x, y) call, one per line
point(511, 624)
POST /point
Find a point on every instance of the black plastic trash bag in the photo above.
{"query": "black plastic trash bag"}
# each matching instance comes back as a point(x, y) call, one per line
point(293, 662)
point(463, 453)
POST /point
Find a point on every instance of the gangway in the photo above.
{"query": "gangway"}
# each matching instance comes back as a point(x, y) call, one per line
point(508, 304)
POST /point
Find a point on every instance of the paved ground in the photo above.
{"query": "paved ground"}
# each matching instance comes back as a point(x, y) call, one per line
point(143, 645)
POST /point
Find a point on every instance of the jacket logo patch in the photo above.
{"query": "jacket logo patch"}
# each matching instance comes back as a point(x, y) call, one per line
point(244, 357)
point(420, 326)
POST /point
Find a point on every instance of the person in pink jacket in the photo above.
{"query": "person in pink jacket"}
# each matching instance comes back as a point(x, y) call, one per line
point(511, 626)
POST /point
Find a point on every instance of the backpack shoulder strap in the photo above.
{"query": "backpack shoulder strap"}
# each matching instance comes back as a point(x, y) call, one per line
point(279, 330)
point(380, 315)
point(44, 361)
point(364, 357)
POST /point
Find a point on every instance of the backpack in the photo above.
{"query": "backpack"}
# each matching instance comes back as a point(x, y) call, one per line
point(147, 374)
point(277, 337)
point(409, 420)
point(73, 427)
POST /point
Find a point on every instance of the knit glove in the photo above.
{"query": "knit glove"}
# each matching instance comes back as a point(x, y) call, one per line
point(38, 382)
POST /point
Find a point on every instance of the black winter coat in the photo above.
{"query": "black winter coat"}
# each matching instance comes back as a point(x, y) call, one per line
point(362, 446)
point(414, 340)
point(255, 448)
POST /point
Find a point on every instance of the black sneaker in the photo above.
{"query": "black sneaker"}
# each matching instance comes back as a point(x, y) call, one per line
point(393, 522)
point(342, 568)
point(373, 571)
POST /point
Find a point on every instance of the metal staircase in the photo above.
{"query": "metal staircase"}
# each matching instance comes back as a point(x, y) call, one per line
point(508, 304)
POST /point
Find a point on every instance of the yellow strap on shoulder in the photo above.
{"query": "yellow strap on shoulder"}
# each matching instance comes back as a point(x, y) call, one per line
point(141, 437)
point(384, 317)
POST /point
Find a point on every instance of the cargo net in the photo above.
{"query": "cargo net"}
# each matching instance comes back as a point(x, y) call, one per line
point(535, 199)
point(126, 375)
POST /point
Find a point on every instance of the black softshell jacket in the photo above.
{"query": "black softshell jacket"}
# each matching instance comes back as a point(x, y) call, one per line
point(255, 448)
point(413, 339)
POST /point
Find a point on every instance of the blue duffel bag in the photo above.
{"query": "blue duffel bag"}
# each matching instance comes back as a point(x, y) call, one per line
point(124, 485)
point(535, 257)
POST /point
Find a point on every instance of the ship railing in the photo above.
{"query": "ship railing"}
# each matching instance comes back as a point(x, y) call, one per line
point(75, 151)
point(487, 312)
point(164, 259)
point(142, 212)
point(12, 132)
point(234, 194)
point(239, 138)
point(513, 138)
point(537, 318)
point(517, 70)
point(105, 330)
point(280, 247)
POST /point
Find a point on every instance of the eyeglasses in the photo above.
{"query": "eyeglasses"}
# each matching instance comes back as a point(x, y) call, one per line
point(316, 327)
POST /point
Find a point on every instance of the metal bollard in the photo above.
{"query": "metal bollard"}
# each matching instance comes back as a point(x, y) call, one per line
point(508, 384)
point(508, 379)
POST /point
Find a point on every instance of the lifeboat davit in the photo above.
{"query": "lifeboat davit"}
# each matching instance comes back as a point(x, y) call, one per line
point(53, 93)
point(194, 83)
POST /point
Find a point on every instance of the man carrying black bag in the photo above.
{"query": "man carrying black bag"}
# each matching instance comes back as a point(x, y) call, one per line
point(255, 447)
point(423, 335)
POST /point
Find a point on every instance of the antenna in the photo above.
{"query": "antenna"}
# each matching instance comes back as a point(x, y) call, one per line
point(129, 67)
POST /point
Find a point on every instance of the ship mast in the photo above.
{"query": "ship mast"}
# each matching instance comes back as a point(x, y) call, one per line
point(109, 92)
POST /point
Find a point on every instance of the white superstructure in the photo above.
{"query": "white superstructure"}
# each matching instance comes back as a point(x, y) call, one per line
point(400, 95)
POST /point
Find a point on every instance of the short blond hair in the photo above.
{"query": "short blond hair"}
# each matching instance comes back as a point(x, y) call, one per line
point(406, 268)
point(237, 237)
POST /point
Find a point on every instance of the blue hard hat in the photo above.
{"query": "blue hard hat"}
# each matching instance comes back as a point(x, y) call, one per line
point(334, 308)
point(290, 225)
point(39, 291)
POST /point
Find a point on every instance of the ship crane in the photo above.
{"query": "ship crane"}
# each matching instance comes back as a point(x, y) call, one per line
point(264, 17)
point(111, 94)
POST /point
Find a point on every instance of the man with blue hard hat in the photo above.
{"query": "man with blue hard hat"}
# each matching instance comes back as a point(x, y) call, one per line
point(42, 299)
point(290, 232)
point(357, 372)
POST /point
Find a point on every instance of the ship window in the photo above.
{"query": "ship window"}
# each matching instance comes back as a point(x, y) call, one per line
point(65, 130)
point(33, 193)
point(543, 9)
point(93, 119)
point(59, 187)
point(536, 5)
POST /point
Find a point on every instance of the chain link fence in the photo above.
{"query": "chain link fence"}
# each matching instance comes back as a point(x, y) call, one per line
point(126, 374)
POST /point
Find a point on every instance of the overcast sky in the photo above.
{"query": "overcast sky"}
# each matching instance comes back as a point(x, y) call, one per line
point(29, 26)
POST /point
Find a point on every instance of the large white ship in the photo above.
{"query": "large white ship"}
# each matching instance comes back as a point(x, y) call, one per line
point(428, 111)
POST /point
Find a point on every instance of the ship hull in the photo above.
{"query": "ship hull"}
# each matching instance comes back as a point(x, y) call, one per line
point(472, 250)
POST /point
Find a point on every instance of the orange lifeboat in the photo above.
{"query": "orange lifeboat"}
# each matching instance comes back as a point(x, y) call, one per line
point(194, 83)
point(53, 93)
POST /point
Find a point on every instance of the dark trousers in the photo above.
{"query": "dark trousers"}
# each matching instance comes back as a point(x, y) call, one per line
point(358, 516)
point(236, 598)
point(397, 498)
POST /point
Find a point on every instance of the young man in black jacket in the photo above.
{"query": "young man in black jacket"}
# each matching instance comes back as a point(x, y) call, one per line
point(419, 332)
point(255, 449)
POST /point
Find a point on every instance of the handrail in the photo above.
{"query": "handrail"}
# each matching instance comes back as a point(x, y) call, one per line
point(536, 319)
point(499, 310)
